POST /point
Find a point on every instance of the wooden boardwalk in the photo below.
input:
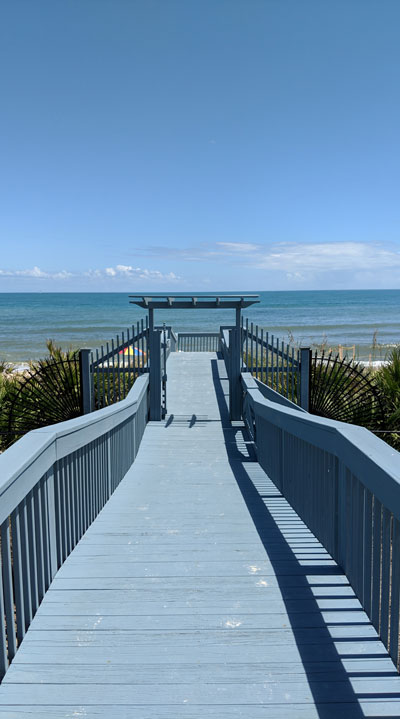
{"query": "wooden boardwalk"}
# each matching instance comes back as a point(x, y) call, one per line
point(198, 592)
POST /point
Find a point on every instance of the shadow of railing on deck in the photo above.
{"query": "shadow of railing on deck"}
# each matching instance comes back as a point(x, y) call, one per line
point(330, 669)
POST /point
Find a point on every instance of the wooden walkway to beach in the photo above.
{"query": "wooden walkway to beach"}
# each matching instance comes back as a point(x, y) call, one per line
point(198, 592)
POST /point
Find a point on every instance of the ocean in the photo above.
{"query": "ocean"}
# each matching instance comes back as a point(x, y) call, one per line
point(312, 318)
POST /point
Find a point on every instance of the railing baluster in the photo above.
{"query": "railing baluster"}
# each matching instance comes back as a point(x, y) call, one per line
point(114, 384)
point(67, 508)
point(137, 356)
point(50, 529)
point(147, 341)
point(298, 377)
point(272, 361)
point(64, 507)
point(7, 577)
point(74, 499)
point(147, 352)
point(89, 462)
point(262, 355)
point(287, 355)
point(257, 373)
point(385, 591)
point(108, 373)
point(104, 377)
point(395, 593)
point(92, 371)
point(251, 350)
point(134, 362)
point(18, 574)
point(58, 522)
point(292, 375)
point(129, 372)
point(367, 550)
point(32, 556)
point(3, 634)
point(247, 343)
point(95, 470)
point(118, 382)
point(376, 564)
point(95, 474)
point(79, 492)
point(123, 365)
point(25, 556)
point(97, 403)
point(267, 358)
point(86, 453)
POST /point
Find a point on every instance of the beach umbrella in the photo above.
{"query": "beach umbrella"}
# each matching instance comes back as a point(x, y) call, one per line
point(132, 351)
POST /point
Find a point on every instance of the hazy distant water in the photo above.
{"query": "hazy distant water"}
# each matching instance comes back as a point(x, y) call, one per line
point(89, 319)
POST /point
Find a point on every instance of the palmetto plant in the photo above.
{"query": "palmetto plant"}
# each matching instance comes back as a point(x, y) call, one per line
point(388, 380)
point(345, 391)
point(48, 392)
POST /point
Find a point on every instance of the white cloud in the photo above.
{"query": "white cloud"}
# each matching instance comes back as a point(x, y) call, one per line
point(120, 271)
point(238, 246)
point(297, 258)
point(117, 272)
point(226, 264)
point(37, 273)
point(325, 257)
point(311, 265)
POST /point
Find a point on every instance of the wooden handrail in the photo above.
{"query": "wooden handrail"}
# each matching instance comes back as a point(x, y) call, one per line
point(344, 482)
point(54, 481)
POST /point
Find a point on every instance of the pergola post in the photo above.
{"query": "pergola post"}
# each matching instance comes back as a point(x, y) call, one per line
point(155, 369)
point(235, 351)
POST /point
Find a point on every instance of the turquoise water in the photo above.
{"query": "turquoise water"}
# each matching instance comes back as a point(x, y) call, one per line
point(347, 317)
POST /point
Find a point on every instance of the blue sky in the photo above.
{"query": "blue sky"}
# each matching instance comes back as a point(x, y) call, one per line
point(199, 145)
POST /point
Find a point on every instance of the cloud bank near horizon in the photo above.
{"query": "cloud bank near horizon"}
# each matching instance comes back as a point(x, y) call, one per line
point(281, 265)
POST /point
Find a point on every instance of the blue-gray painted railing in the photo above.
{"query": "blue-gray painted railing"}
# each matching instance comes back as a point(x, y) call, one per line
point(276, 363)
point(344, 483)
point(114, 367)
point(198, 341)
point(54, 482)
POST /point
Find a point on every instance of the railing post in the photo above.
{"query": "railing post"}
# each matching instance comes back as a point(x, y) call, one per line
point(155, 375)
point(305, 377)
point(85, 380)
point(235, 395)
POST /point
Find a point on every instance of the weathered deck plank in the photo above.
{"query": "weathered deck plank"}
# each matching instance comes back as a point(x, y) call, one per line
point(199, 592)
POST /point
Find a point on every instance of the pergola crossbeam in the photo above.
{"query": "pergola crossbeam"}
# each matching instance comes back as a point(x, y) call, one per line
point(187, 302)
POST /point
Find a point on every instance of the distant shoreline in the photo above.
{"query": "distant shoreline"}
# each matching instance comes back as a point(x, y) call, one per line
point(21, 367)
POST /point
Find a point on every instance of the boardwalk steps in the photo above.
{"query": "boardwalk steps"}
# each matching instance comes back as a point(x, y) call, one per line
point(199, 592)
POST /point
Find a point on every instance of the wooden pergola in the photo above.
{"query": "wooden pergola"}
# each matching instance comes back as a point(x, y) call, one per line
point(190, 302)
